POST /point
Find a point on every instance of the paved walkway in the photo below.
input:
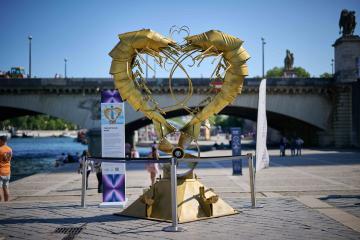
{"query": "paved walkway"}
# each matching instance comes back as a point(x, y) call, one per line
point(315, 196)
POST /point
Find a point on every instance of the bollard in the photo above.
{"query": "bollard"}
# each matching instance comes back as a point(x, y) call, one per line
point(174, 226)
point(252, 181)
point(83, 183)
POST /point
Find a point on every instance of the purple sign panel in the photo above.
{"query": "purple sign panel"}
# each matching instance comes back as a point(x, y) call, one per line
point(113, 187)
point(110, 96)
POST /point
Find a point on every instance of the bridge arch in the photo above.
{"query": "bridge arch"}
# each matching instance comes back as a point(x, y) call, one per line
point(286, 125)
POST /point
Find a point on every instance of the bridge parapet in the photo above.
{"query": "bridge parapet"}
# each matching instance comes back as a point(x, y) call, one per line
point(158, 86)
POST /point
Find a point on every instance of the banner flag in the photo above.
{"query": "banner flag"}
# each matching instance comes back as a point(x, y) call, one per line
point(262, 155)
point(113, 145)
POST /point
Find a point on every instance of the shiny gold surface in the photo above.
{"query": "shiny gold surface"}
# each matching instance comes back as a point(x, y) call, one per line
point(194, 200)
point(129, 80)
point(193, 203)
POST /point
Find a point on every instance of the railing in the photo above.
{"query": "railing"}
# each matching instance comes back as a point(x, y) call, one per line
point(158, 82)
point(173, 161)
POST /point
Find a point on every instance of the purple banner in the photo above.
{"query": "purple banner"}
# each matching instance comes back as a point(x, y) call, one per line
point(110, 96)
point(113, 187)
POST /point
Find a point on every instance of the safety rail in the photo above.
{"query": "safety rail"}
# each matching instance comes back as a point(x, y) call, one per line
point(173, 161)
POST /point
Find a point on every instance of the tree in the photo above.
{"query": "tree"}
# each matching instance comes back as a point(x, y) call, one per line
point(326, 75)
point(275, 72)
point(279, 72)
point(226, 122)
point(38, 122)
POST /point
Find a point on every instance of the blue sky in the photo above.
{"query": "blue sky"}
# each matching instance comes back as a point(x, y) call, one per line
point(85, 31)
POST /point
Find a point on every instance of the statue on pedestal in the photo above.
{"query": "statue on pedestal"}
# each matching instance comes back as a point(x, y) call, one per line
point(289, 60)
point(347, 22)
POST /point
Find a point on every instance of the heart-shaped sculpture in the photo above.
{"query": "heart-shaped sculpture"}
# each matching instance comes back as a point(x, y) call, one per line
point(132, 87)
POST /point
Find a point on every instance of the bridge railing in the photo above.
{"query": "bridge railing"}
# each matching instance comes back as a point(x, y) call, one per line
point(158, 82)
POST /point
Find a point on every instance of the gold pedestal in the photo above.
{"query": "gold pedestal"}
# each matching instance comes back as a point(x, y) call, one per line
point(195, 202)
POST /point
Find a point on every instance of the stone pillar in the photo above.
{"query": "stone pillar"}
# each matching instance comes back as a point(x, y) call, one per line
point(342, 121)
point(94, 142)
point(347, 57)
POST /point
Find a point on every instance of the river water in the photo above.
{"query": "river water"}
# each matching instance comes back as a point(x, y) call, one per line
point(34, 155)
point(38, 154)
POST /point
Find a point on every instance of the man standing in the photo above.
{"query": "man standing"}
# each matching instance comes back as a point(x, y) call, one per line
point(5, 158)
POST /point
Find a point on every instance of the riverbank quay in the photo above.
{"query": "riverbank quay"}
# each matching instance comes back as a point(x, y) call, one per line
point(314, 196)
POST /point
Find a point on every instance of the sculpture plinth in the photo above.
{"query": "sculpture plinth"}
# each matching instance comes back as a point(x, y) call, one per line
point(195, 202)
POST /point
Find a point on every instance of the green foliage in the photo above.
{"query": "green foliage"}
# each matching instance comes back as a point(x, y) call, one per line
point(275, 72)
point(226, 122)
point(38, 122)
point(326, 75)
point(301, 72)
point(279, 72)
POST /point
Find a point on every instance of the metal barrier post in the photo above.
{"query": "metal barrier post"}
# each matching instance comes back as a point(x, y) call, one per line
point(174, 226)
point(252, 180)
point(83, 183)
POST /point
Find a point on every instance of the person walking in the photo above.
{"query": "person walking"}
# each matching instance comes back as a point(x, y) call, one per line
point(299, 145)
point(153, 168)
point(292, 146)
point(5, 159)
point(282, 147)
point(98, 171)
point(134, 153)
point(82, 160)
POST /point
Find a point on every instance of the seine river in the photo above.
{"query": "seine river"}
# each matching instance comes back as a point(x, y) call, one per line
point(34, 155)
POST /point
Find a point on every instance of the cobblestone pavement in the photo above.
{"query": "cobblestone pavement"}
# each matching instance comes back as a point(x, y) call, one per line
point(280, 218)
point(289, 192)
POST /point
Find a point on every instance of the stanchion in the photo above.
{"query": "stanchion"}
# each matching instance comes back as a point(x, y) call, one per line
point(174, 226)
point(83, 183)
point(252, 180)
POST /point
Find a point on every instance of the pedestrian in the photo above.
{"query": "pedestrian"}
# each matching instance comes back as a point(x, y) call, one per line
point(299, 145)
point(292, 146)
point(82, 161)
point(282, 147)
point(153, 168)
point(134, 153)
point(5, 159)
point(98, 171)
point(127, 150)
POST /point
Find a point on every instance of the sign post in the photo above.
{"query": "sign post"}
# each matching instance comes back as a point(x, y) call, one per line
point(113, 145)
point(236, 150)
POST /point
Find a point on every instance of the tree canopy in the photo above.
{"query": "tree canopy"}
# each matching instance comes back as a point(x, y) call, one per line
point(279, 72)
point(326, 75)
point(38, 122)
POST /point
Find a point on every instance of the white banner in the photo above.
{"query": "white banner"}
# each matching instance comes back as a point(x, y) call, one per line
point(262, 155)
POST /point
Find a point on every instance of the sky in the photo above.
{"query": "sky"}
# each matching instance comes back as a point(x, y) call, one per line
point(84, 32)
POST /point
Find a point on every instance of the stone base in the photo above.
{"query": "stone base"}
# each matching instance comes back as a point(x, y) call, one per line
point(195, 202)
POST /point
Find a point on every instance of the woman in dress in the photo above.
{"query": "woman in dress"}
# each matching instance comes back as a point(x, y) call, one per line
point(153, 168)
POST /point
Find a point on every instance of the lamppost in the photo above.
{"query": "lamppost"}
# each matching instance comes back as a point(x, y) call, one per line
point(65, 60)
point(30, 38)
point(263, 57)
point(332, 67)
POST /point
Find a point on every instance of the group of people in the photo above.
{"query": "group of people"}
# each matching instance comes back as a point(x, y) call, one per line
point(69, 158)
point(295, 144)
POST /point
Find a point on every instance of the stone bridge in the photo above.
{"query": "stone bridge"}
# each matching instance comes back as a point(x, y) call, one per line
point(315, 108)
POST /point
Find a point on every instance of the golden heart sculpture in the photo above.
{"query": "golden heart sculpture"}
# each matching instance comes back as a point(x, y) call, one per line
point(127, 73)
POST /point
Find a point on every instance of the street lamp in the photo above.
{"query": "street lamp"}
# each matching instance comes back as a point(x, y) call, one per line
point(65, 60)
point(30, 38)
point(263, 57)
point(332, 67)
